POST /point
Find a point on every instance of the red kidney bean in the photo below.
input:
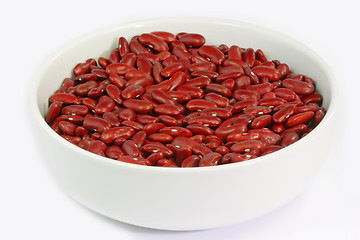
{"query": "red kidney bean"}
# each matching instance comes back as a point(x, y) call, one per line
point(271, 102)
point(216, 112)
point(209, 121)
point(265, 71)
point(175, 131)
point(109, 135)
point(161, 97)
point(202, 66)
point(298, 86)
point(201, 150)
point(261, 88)
point(135, 125)
point(67, 127)
point(213, 53)
point(139, 106)
point(209, 74)
point(312, 98)
point(153, 127)
point(200, 129)
point(299, 118)
point(130, 60)
point(154, 42)
point(248, 56)
point(283, 114)
point(192, 40)
point(66, 98)
point(165, 36)
point(261, 121)
point(198, 82)
point(145, 119)
point(151, 148)
point(118, 68)
point(242, 94)
point(97, 146)
point(210, 159)
point(168, 109)
point(160, 137)
point(96, 124)
point(219, 89)
point(114, 152)
point(53, 111)
point(191, 161)
point(199, 104)
point(319, 115)
point(130, 149)
point(111, 118)
point(105, 104)
point(178, 96)
point(247, 146)
point(217, 99)
point(289, 138)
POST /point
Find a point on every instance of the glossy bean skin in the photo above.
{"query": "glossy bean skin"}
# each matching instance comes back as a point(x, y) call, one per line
point(210, 159)
point(155, 42)
point(109, 135)
point(192, 40)
point(213, 53)
point(139, 106)
point(298, 86)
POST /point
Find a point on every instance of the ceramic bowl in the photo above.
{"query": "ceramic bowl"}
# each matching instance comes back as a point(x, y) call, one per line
point(178, 198)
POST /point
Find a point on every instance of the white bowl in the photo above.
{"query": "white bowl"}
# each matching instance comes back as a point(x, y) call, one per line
point(178, 198)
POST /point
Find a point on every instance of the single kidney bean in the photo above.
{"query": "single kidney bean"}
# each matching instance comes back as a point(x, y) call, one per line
point(247, 146)
point(248, 56)
point(168, 109)
point(210, 159)
point(162, 97)
point(151, 148)
point(160, 137)
point(216, 112)
point(261, 121)
point(218, 99)
point(198, 82)
point(176, 131)
point(96, 124)
point(261, 88)
point(66, 98)
point(192, 40)
point(67, 127)
point(145, 119)
point(219, 89)
point(191, 161)
point(213, 53)
point(139, 106)
point(298, 86)
point(114, 152)
point(283, 114)
point(109, 135)
point(130, 149)
point(53, 111)
point(265, 71)
point(130, 60)
point(289, 138)
point(202, 66)
point(299, 118)
point(118, 68)
point(153, 127)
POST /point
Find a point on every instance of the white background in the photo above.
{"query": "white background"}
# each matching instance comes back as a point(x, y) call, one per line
point(32, 206)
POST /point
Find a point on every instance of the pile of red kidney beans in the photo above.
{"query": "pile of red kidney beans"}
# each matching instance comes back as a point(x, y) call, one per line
point(168, 100)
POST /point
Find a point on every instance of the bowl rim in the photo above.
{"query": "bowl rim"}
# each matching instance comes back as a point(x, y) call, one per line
point(35, 112)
